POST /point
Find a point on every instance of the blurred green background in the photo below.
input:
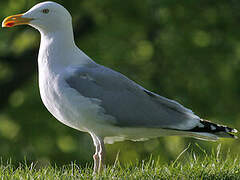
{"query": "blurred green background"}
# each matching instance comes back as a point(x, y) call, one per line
point(188, 51)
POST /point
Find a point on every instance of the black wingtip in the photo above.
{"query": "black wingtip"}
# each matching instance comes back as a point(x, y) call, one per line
point(219, 130)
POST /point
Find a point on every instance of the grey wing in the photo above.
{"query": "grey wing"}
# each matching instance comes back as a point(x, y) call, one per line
point(130, 104)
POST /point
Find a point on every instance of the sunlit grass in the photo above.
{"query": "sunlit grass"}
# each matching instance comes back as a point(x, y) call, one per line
point(211, 166)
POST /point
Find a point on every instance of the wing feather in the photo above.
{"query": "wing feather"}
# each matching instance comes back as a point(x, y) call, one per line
point(129, 103)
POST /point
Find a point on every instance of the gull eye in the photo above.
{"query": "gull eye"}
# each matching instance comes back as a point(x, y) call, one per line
point(45, 11)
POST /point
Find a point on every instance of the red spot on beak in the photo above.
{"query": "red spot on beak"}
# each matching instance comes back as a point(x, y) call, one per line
point(10, 24)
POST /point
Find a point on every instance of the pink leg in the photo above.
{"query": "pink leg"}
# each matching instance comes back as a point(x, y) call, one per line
point(101, 155)
point(96, 155)
point(96, 163)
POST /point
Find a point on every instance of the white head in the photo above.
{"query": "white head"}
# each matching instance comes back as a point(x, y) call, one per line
point(46, 17)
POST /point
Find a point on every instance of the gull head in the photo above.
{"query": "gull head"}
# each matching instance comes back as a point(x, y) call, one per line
point(46, 17)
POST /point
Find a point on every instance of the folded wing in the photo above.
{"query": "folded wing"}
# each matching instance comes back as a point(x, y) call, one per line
point(130, 104)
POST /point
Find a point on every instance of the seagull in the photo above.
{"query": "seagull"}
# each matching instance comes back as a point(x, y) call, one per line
point(95, 99)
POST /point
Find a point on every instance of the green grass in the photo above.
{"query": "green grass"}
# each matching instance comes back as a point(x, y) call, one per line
point(187, 166)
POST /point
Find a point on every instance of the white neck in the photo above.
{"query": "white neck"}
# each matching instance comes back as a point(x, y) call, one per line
point(58, 50)
point(60, 39)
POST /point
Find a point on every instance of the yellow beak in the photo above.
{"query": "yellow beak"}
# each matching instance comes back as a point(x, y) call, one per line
point(15, 20)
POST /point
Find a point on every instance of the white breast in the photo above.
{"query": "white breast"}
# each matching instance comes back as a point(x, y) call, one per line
point(68, 105)
point(57, 53)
